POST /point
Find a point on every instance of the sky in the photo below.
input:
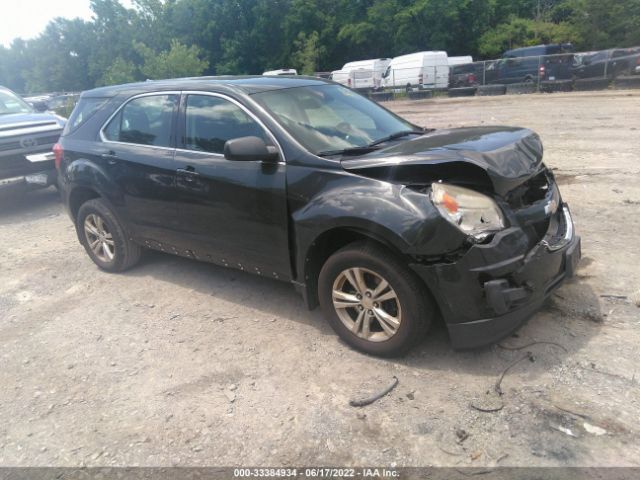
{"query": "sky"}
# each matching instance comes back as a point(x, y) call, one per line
point(27, 18)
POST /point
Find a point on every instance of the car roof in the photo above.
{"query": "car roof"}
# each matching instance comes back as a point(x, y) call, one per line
point(245, 84)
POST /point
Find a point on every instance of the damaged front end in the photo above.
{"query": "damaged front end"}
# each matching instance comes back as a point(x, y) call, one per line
point(490, 183)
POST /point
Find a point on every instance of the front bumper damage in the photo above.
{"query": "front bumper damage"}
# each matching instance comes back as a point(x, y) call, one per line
point(495, 287)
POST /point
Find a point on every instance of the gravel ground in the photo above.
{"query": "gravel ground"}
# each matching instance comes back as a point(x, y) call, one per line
point(182, 363)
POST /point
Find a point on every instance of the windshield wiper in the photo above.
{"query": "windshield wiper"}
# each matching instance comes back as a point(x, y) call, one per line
point(393, 136)
point(349, 151)
point(372, 146)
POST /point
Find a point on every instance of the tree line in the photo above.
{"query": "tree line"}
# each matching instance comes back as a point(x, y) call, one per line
point(173, 38)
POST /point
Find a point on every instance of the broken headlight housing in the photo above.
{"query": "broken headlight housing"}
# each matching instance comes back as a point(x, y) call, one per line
point(475, 214)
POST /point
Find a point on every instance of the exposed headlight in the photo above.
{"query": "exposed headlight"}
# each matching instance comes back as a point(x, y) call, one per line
point(474, 213)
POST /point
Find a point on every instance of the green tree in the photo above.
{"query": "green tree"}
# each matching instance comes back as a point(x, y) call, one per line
point(308, 52)
point(120, 71)
point(178, 61)
point(521, 32)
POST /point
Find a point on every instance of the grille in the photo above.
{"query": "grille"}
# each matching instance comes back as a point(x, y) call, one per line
point(530, 192)
point(534, 189)
point(42, 142)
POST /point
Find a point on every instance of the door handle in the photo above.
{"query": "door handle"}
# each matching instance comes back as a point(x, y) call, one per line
point(189, 173)
point(111, 157)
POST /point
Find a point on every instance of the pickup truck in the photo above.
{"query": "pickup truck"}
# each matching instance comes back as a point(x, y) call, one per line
point(607, 63)
point(26, 144)
point(531, 64)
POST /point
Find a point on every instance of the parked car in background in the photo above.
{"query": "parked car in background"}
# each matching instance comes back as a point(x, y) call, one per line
point(532, 64)
point(459, 60)
point(418, 70)
point(26, 144)
point(39, 102)
point(386, 225)
point(358, 79)
point(376, 67)
point(464, 75)
point(282, 71)
point(63, 104)
point(607, 63)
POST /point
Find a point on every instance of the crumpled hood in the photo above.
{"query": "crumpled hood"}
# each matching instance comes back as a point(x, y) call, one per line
point(508, 156)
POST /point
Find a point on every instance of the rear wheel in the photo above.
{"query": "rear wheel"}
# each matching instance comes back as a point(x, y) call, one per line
point(104, 238)
point(373, 301)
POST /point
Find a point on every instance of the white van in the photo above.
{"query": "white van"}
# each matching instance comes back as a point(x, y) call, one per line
point(376, 66)
point(282, 71)
point(460, 60)
point(421, 70)
point(360, 78)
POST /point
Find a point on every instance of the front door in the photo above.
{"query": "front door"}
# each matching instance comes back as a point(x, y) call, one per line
point(233, 213)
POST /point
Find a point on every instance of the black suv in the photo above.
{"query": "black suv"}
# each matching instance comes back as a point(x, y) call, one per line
point(26, 142)
point(607, 63)
point(532, 64)
point(383, 223)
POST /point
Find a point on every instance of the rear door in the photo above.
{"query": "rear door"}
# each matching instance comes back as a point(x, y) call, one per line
point(137, 153)
point(233, 213)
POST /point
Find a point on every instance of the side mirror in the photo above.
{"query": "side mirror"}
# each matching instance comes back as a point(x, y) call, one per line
point(249, 149)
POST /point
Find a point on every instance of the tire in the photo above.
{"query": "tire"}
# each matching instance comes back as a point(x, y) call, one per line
point(462, 92)
point(491, 90)
point(420, 95)
point(552, 86)
point(521, 88)
point(97, 215)
point(588, 84)
point(412, 304)
point(627, 82)
point(380, 96)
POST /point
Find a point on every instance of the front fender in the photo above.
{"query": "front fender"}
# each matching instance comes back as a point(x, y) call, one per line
point(400, 217)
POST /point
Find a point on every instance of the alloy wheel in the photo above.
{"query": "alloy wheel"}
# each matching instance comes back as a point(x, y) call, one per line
point(99, 238)
point(366, 304)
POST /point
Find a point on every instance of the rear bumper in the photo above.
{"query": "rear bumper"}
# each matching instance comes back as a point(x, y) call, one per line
point(494, 288)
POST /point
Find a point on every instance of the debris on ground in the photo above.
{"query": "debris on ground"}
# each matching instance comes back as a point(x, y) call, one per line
point(522, 347)
point(594, 429)
point(497, 387)
point(377, 396)
point(462, 435)
point(565, 430)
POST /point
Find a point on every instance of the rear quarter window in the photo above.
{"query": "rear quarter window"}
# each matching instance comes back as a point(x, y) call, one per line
point(82, 112)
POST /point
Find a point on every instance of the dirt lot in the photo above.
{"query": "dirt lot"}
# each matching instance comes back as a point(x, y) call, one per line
point(178, 362)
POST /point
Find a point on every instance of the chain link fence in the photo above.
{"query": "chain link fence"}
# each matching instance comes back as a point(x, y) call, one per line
point(547, 73)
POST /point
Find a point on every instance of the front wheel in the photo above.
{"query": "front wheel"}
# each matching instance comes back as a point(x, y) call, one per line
point(373, 301)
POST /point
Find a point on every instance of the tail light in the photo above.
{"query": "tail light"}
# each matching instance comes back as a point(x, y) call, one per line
point(349, 82)
point(638, 60)
point(420, 78)
point(542, 70)
point(59, 154)
point(472, 78)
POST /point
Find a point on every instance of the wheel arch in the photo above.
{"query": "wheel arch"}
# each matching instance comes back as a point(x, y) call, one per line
point(330, 241)
point(78, 196)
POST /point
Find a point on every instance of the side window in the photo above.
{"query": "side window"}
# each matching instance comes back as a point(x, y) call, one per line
point(211, 121)
point(144, 121)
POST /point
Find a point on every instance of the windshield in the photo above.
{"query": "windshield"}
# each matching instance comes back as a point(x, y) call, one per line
point(328, 118)
point(11, 103)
